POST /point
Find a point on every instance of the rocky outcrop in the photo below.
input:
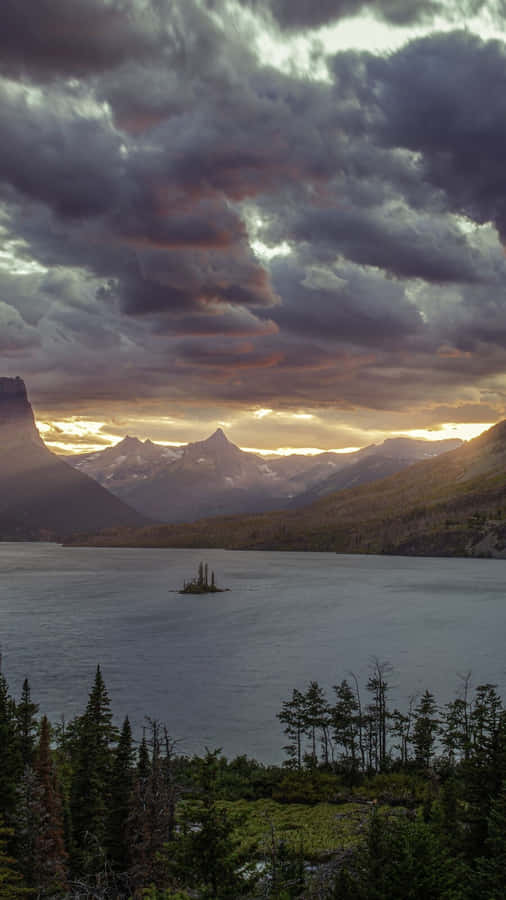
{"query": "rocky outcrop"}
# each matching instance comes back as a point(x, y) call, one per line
point(40, 495)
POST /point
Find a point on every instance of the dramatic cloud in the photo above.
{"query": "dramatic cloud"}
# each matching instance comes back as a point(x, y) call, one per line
point(188, 228)
point(443, 97)
point(54, 37)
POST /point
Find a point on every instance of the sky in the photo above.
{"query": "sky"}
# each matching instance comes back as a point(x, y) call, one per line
point(281, 217)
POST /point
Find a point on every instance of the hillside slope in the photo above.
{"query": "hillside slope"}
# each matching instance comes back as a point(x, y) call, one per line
point(454, 504)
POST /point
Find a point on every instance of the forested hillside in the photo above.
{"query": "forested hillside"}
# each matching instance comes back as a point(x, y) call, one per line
point(372, 802)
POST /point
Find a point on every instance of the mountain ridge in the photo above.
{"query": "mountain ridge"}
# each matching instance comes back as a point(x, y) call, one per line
point(451, 505)
point(214, 476)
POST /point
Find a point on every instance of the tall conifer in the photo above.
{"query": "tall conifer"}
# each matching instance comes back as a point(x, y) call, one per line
point(26, 712)
point(12, 886)
point(10, 756)
point(122, 782)
point(52, 856)
point(91, 783)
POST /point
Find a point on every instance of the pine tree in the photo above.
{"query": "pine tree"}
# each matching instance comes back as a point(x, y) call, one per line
point(207, 858)
point(401, 728)
point(425, 729)
point(378, 714)
point(143, 763)
point(456, 734)
point(11, 881)
point(293, 717)
point(406, 860)
point(122, 782)
point(26, 712)
point(51, 876)
point(490, 881)
point(92, 778)
point(345, 727)
point(11, 766)
point(485, 718)
point(317, 719)
point(27, 821)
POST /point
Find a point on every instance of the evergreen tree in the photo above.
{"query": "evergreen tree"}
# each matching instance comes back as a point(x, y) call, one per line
point(205, 856)
point(90, 796)
point(26, 712)
point(317, 719)
point(378, 715)
point(11, 765)
point(490, 880)
point(27, 821)
point(425, 729)
point(345, 727)
point(51, 856)
point(446, 816)
point(122, 782)
point(482, 775)
point(456, 732)
point(143, 762)
point(11, 881)
point(405, 861)
point(485, 718)
point(293, 717)
point(401, 729)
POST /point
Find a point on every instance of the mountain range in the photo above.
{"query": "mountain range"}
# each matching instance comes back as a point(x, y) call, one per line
point(402, 496)
point(215, 477)
point(41, 497)
point(450, 505)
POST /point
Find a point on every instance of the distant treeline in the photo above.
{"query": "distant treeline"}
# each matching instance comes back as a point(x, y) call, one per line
point(358, 733)
point(86, 811)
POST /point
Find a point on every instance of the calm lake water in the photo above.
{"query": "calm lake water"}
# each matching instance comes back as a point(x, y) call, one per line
point(215, 669)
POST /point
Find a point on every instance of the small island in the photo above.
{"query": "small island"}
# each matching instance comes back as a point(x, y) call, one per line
point(201, 584)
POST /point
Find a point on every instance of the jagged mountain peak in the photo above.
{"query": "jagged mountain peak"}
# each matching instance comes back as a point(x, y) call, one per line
point(217, 442)
point(129, 442)
point(218, 436)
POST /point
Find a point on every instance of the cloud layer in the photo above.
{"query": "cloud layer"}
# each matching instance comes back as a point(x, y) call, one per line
point(186, 227)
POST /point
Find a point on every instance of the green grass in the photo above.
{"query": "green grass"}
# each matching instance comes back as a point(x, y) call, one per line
point(321, 829)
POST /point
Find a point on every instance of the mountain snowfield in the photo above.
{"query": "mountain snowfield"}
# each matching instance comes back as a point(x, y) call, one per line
point(451, 505)
point(214, 477)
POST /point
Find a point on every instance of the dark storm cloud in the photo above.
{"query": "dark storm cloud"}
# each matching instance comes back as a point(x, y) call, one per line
point(53, 154)
point(395, 239)
point(136, 181)
point(344, 305)
point(190, 280)
point(58, 37)
point(443, 97)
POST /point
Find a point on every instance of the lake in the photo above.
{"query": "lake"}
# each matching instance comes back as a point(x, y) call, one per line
point(216, 668)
